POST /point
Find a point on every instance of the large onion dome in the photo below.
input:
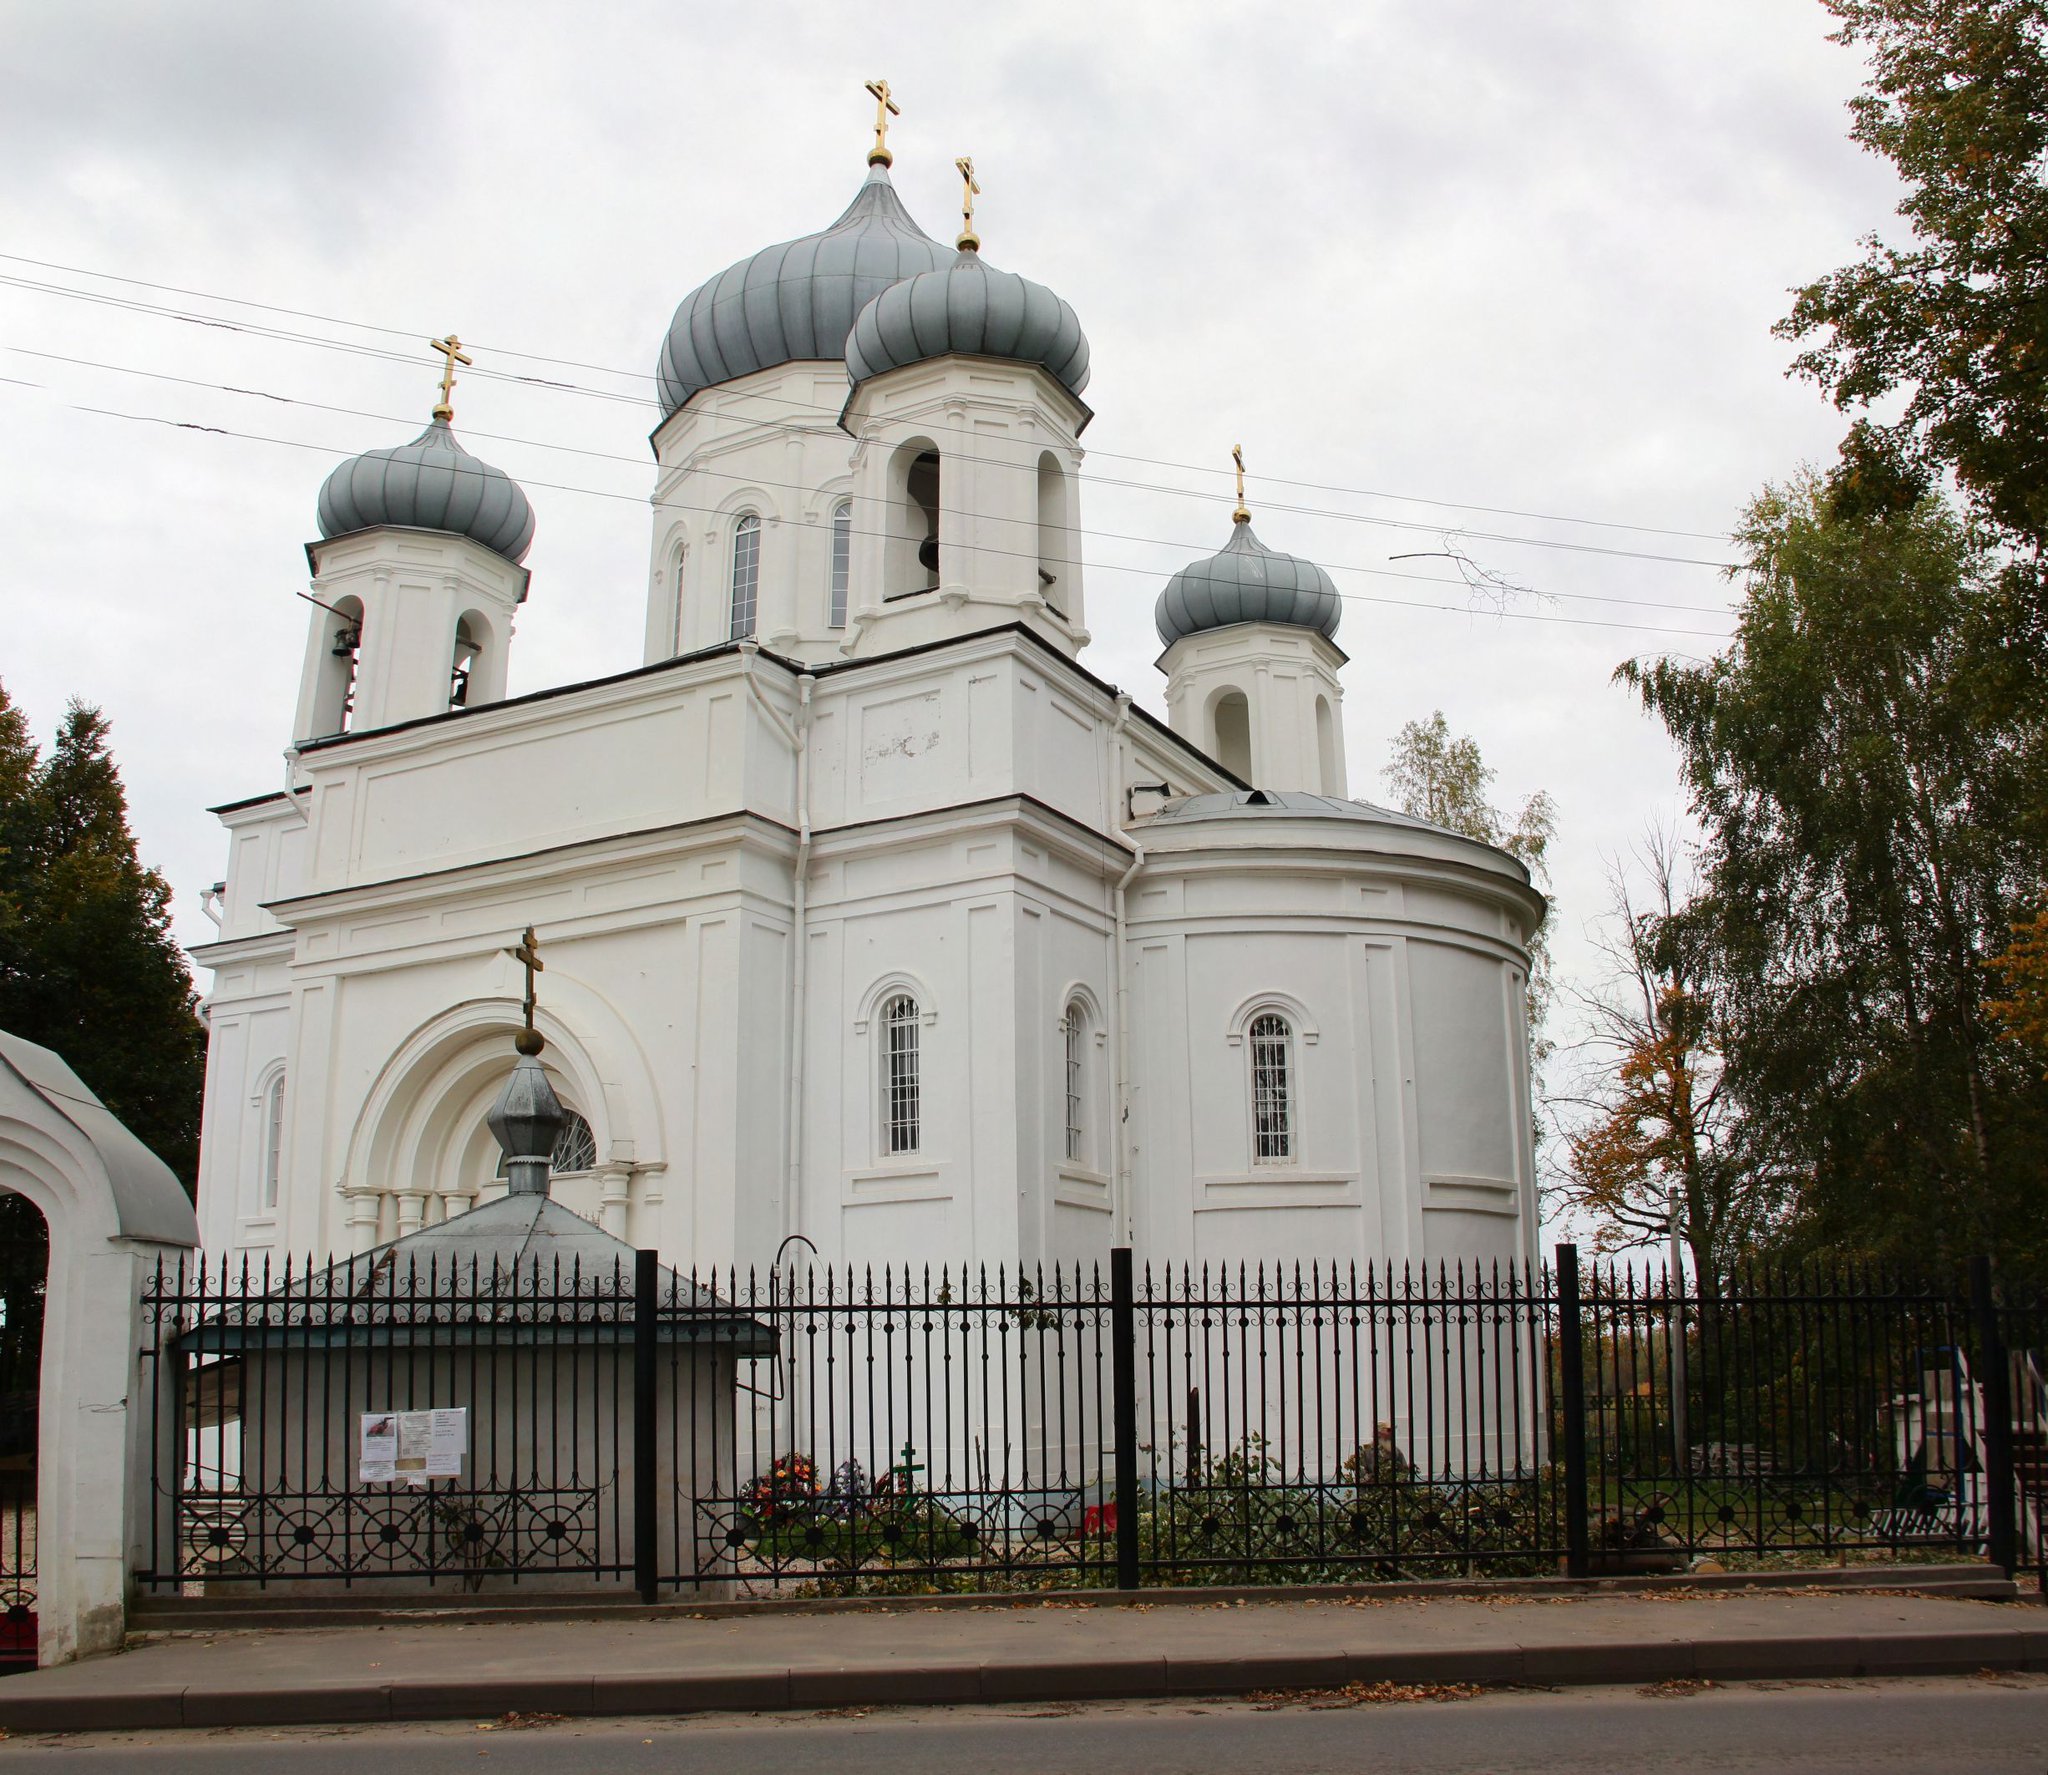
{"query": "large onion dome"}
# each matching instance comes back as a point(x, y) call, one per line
point(432, 483)
point(1245, 581)
point(795, 301)
point(973, 308)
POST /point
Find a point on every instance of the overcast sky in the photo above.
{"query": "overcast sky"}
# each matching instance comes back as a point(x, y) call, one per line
point(1515, 256)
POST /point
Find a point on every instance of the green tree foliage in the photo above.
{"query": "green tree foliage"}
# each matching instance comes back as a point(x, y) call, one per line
point(1441, 777)
point(1647, 1127)
point(1866, 762)
point(1957, 320)
point(87, 963)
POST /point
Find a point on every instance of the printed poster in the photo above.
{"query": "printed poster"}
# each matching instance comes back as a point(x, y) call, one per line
point(412, 1447)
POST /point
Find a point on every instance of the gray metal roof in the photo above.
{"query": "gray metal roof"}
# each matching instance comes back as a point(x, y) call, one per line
point(521, 1269)
point(432, 483)
point(1294, 804)
point(1245, 581)
point(968, 307)
point(794, 301)
point(150, 1203)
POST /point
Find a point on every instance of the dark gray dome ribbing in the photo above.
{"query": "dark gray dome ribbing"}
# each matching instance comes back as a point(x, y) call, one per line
point(795, 301)
point(1245, 581)
point(432, 483)
point(969, 307)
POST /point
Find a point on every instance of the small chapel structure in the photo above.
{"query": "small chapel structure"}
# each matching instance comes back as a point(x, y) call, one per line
point(871, 914)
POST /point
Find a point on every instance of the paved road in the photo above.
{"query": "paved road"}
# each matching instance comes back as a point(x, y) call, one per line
point(1987, 1727)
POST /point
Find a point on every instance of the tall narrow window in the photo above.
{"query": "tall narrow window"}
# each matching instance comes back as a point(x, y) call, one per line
point(746, 576)
point(273, 1141)
point(842, 559)
point(899, 1075)
point(675, 644)
point(1076, 1027)
point(1272, 1090)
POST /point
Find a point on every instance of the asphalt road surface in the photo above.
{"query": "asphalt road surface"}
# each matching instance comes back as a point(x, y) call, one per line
point(1984, 1726)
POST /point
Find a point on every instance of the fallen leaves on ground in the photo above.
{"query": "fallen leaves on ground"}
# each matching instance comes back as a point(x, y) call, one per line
point(1673, 1686)
point(1361, 1695)
point(519, 1722)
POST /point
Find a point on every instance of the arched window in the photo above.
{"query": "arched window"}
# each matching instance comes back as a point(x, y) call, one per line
point(273, 1142)
point(910, 551)
point(842, 560)
point(1232, 747)
point(575, 1147)
point(1074, 1027)
point(1272, 1055)
point(1326, 746)
point(900, 1119)
point(746, 576)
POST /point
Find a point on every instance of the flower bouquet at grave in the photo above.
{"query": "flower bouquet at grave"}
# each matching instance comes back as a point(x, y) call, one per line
point(788, 1489)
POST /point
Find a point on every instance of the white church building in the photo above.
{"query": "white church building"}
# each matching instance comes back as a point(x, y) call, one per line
point(869, 913)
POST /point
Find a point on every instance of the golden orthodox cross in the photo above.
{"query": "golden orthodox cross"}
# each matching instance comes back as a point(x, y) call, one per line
point(451, 349)
point(968, 238)
point(527, 954)
point(1243, 513)
point(885, 108)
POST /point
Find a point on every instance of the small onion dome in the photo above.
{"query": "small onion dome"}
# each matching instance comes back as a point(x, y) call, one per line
point(796, 301)
point(973, 308)
point(432, 483)
point(1245, 581)
point(525, 1120)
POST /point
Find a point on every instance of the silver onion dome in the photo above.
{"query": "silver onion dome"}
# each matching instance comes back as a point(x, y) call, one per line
point(968, 307)
point(1245, 581)
point(795, 301)
point(432, 483)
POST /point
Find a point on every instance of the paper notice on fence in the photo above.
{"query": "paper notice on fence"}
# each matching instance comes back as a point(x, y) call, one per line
point(413, 1447)
point(378, 1462)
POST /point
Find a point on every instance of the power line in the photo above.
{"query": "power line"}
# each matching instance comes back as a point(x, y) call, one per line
point(1099, 566)
point(755, 480)
point(641, 376)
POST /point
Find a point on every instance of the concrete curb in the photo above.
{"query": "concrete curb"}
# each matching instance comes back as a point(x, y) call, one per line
point(609, 1694)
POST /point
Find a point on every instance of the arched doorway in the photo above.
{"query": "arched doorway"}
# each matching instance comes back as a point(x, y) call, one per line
point(24, 1275)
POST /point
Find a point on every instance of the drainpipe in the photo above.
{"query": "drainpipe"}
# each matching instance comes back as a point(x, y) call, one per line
point(798, 957)
point(1120, 1039)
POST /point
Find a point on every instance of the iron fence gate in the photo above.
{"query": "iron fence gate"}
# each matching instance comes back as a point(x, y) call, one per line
point(828, 1431)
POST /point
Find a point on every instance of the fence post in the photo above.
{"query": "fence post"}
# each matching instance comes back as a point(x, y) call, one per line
point(1571, 1386)
point(646, 1289)
point(1123, 1366)
point(1994, 1380)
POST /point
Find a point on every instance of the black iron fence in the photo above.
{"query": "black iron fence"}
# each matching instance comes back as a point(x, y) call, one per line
point(823, 1431)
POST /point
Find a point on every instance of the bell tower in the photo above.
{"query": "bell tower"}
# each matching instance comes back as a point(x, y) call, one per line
point(416, 578)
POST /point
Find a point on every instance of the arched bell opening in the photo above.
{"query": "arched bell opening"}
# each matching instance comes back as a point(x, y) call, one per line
point(911, 553)
point(1054, 547)
point(1326, 748)
point(1230, 733)
point(338, 635)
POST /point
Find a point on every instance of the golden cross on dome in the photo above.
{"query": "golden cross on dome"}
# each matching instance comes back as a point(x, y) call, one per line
point(527, 953)
point(1243, 514)
point(451, 349)
point(885, 108)
point(969, 241)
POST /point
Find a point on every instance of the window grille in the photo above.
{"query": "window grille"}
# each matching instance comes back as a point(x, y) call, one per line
point(746, 576)
point(899, 1075)
point(1272, 1091)
point(575, 1147)
point(273, 1140)
point(842, 559)
point(1076, 1028)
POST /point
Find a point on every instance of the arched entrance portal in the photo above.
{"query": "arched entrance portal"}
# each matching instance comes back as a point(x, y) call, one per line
point(24, 1270)
point(114, 1211)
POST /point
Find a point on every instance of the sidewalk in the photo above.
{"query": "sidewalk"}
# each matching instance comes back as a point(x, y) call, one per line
point(1013, 1651)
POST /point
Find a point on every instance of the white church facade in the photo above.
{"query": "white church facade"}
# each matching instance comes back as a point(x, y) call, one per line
point(869, 914)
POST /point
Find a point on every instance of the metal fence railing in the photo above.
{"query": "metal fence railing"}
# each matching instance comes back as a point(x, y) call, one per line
point(832, 1431)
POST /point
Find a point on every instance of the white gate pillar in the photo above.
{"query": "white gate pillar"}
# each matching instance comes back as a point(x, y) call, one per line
point(113, 1209)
